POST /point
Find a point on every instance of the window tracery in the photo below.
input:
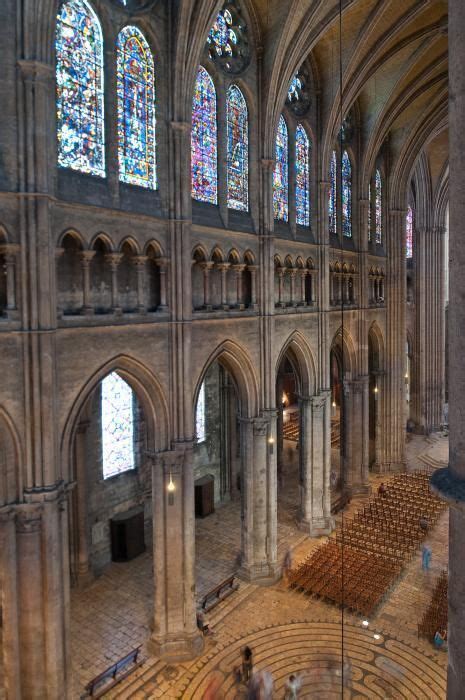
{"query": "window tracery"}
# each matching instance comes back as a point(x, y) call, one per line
point(346, 195)
point(409, 233)
point(227, 40)
point(117, 416)
point(298, 94)
point(281, 173)
point(204, 153)
point(136, 109)
point(332, 199)
point(302, 168)
point(378, 208)
point(79, 88)
point(200, 432)
point(238, 150)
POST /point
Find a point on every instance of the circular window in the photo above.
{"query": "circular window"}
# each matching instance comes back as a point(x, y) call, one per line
point(298, 94)
point(227, 41)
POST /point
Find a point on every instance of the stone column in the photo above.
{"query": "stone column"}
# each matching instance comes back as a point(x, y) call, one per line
point(280, 271)
point(86, 258)
point(114, 260)
point(223, 268)
point(206, 267)
point(253, 286)
point(10, 251)
point(175, 635)
point(358, 437)
point(292, 275)
point(10, 638)
point(450, 482)
point(83, 571)
point(140, 261)
point(315, 508)
point(302, 275)
point(259, 552)
point(163, 267)
point(238, 270)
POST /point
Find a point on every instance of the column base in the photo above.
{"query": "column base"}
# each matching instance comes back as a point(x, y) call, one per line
point(388, 467)
point(317, 527)
point(260, 574)
point(176, 648)
point(84, 579)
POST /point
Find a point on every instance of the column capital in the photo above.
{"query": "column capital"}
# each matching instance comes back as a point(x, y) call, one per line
point(238, 268)
point(139, 260)
point(113, 258)
point(29, 518)
point(181, 126)
point(223, 266)
point(35, 70)
point(206, 266)
point(10, 249)
point(86, 256)
point(268, 164)
point(260, 426)
point(162, 263)
point(252, 268)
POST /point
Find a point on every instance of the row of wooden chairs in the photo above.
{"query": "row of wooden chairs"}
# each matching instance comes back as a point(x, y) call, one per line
point(435, 617)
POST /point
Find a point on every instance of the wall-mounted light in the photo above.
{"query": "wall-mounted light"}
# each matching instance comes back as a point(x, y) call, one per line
point(271, 444)
point(375, 391)
point(171, 488)
point(333, 404)
point(406, 376)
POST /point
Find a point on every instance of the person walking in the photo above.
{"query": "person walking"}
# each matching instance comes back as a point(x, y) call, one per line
point(287, 563)
point(247, 663)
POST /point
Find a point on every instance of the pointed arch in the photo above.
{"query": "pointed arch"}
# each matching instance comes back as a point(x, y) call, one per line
point(344, 345)
point(376, 338)
point(79, 88)
point(302, 176)
point(409, 232)
point(238, 149)
point(281, 173)
point(204, 140)
point(300, 350)
point(238, 363)
point(149, 393)
point(135, 85)
point(346, 195)
point(10, 460)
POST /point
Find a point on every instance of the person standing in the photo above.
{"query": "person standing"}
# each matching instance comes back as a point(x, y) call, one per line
point(292, 688)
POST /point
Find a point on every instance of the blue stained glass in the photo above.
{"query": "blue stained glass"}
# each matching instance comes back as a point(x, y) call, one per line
point(281, 173)
point(79, 88)
point(238, 150)
point(204, 156)
point(302, 176)
point(332, 197)
point(136, 109)
point(117, 417)
point(378, 207)
point(409, 232)
point(346, 195)
point(294, 87)
point(369, 211)
point(200, 433)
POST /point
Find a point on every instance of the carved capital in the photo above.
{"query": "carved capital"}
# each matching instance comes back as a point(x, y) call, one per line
point(35, 70)
point(267, 164)
point(29, 518)
point(260, 427)
point(114, 259)
point(181, 127)
point(162, 263)
point(139, 260)
point(86, 256)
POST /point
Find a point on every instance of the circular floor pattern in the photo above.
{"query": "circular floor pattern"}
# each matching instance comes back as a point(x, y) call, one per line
point(380, 668)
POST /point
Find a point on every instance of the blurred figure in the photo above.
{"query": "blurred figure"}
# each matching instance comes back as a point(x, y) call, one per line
point(287, 563)
point(292, 687)
point(212, 691)
point(426, 555)
point(440, 639)
point(247, 663)
point(382, 489)
point(347, 673)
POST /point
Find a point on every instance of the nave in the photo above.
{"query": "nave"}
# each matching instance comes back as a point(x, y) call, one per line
point(290, 632)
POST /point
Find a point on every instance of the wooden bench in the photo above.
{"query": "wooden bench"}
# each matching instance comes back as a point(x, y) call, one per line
point(219, 593)
point(113, 673)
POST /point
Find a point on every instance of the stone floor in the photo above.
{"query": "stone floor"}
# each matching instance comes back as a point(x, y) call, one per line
point(289, 632)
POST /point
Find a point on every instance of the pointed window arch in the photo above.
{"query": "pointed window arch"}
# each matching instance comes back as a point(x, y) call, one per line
point(332, 197)
point(346, 195)
point(378, 207)
point(409, 233)
point(79, 89)
point(302, 176)
point(117, 416)
point(238, 150)
point(281, 173)
point(369, 212)
point(204, 146)
point(200, 430)
point(136, 109)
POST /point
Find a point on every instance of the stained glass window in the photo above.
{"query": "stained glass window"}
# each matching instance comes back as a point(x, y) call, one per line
point(281, 173)
point(136, 109)
point(200, 433)
point(222, 37)
point(409, 232)
point(204, 157)
point(117, 426)
point(79, 89)
point(302, 176)
point(378, 207)
point(238, 150)
point(346, 195)
point(293, 92)
point(369, 211)
point(332, 197)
